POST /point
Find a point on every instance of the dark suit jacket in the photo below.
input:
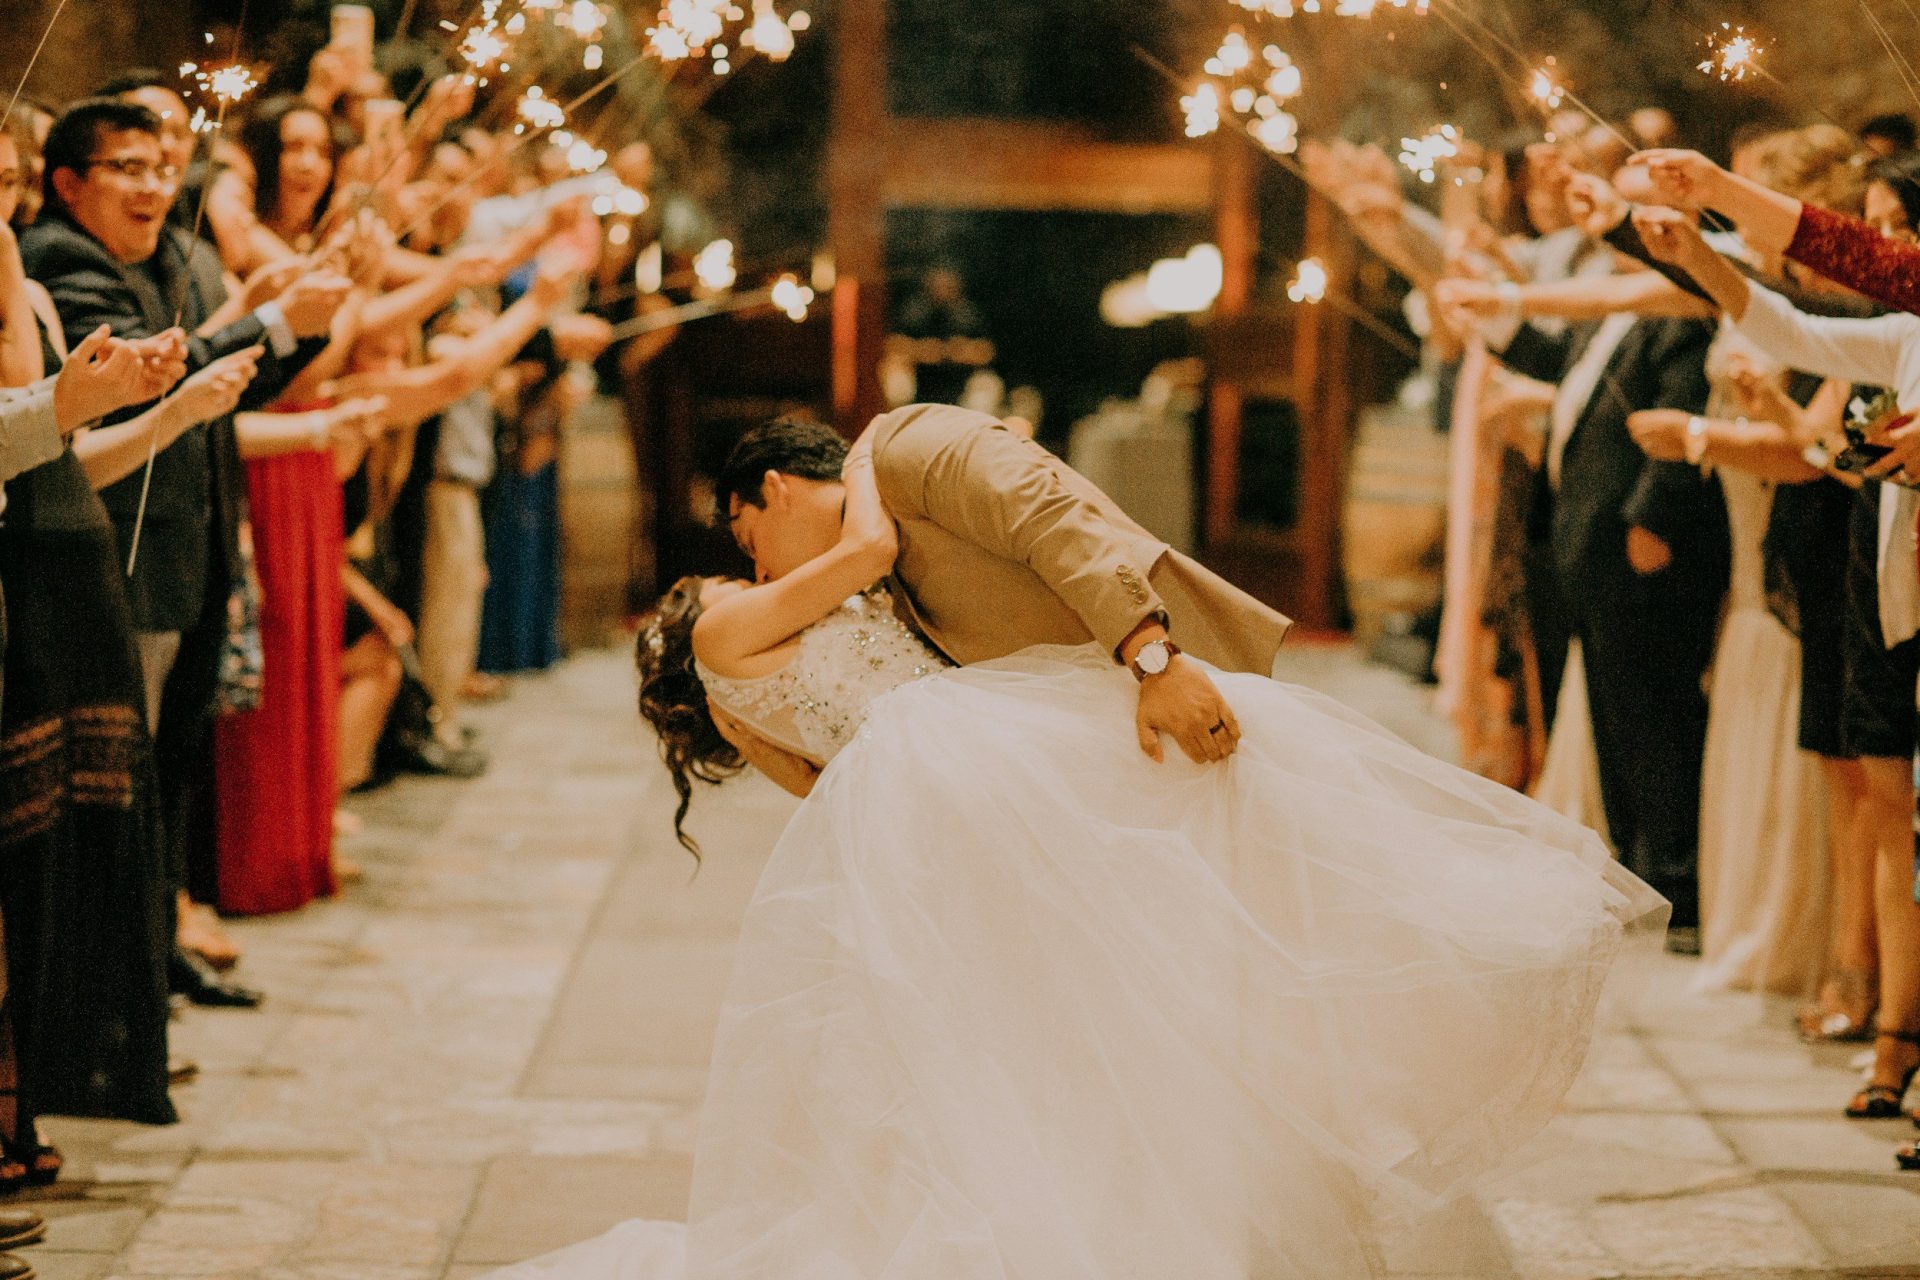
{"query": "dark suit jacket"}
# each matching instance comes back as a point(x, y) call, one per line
point(198, 497)
point(1606, 483)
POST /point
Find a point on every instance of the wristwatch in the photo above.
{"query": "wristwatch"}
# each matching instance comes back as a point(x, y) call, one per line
point(1696, 445)
point(1153, 659)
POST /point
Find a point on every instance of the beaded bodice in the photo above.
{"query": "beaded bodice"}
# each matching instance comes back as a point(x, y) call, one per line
point(816, 703)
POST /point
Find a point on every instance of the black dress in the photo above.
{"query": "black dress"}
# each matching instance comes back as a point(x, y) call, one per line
point(83, 882)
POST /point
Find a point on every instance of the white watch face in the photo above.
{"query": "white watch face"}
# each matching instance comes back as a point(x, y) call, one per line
point(1153, 658)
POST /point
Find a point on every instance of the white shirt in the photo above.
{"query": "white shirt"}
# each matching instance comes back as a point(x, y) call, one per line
point(29, 430)
point(1883, 351)
point(1576, 389)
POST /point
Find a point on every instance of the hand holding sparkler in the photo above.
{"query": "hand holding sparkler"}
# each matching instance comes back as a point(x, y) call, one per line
point(1595, 206)
point(1684, 179)
point(104, 374)
point(310, 302)
point(271, 280)
point(579, 336)
point(1465, 305)
point(215, 390)
point(1672, 237)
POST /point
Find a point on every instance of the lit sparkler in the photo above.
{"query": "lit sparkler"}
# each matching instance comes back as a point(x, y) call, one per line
point(1309, 284)
point(1278, 133)
point(537, 111)
point(770, 35)
point(226, 84)
point(792, 297)
point(713, 266)
point(1423, 155)
point(1235, 55)
point(1544, 87)
point(1203, 110)
point(1732, 54)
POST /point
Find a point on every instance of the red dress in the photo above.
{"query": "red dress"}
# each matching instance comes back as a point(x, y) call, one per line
point(1851, 252)
point(275, 767)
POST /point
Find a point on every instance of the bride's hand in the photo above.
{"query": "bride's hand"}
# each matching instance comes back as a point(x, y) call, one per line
point(791, 773)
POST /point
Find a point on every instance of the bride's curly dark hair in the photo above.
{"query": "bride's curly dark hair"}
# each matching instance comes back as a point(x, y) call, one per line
point(674, 702)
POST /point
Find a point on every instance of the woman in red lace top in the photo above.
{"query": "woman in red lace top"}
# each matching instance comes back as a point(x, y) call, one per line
point(1850, 251)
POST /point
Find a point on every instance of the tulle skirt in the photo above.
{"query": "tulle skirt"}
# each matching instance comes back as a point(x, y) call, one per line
point(1013, 1001)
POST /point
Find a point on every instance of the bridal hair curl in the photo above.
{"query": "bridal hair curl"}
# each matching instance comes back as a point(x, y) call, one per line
point(674, 702)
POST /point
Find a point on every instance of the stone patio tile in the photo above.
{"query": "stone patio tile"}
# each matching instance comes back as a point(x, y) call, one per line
point(1704, 1235)
point(55, 1264)
point(529, 1206)
point(1860, 1224)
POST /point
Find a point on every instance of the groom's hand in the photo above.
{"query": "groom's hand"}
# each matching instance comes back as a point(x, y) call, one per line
point(1183, 703)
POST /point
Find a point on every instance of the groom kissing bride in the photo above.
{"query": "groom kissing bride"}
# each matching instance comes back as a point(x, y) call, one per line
point(1023, 996)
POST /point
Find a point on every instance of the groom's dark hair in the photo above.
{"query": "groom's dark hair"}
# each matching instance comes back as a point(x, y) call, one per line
point(792, 446)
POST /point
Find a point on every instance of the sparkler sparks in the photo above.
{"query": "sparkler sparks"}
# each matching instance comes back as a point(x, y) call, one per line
point(1732, 54)
point(1544, 87)
point(713, 266)
point(1278, 133)
point(792, 297)
point(226, 85)
point(1423, 155)
point(1309, 284)
point(1203, 110)
point(537, 111)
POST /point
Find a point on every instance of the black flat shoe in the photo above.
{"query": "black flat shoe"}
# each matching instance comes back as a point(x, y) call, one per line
point(190, 976)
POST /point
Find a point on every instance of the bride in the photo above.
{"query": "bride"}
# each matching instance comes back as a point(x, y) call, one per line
point(1015, 1001)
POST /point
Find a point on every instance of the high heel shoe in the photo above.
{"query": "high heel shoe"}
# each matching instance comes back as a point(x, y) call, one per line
point(1856, 987)
point(1880, 1101)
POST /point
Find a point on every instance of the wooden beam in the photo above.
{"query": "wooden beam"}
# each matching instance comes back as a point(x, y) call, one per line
point(1004, 164)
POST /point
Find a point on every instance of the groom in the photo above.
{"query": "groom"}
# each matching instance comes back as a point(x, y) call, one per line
point(1002, 546)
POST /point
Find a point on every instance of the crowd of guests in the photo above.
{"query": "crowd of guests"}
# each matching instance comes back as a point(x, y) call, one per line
point(279, 410)
point(1682, 582)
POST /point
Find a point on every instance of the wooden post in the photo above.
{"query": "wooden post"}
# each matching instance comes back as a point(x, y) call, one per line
point(856, 222)
point(1320, 351)
point(1237, 233)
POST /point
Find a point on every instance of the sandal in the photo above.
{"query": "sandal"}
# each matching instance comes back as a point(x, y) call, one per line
point(1857, 987)
point(41, 1159)
point(1881, 1101)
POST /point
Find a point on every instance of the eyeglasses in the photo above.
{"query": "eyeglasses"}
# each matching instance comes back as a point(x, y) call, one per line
point(138, 170)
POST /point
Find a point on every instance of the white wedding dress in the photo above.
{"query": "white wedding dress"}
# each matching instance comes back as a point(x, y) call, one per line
point(1013, 1002)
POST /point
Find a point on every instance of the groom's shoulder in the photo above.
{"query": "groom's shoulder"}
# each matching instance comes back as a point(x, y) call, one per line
point(928, 426)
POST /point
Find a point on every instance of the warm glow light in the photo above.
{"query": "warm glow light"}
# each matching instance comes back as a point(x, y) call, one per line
point(713, 266)
point(1423, 155)
point(1184, 286)
point(769, 35)
point(1278, 133)
point(792, 297)
point(1309, 283)
point(1544, 89)
point(537, 111)
point(1203, 110)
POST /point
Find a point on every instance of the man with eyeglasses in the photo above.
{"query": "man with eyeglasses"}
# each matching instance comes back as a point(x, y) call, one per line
point(104, 250)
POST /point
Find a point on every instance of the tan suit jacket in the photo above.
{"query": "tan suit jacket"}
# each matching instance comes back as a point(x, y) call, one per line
point(1003, 546)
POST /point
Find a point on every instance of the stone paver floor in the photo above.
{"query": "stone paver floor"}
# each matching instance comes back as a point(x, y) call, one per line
point(495, 1045)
